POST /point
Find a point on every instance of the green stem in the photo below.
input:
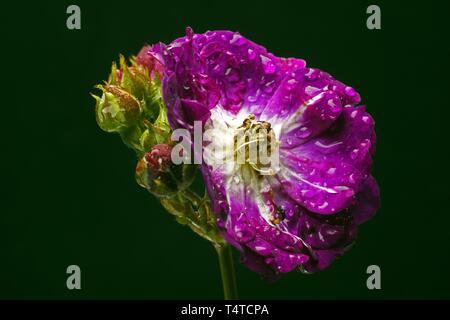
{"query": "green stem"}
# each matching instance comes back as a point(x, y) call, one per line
point(227, 271)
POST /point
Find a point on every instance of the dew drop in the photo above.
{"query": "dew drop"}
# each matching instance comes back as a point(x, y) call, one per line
point(321, 236)
point(291, 83)
point(269, 86)
point(354, 154)
point(331, 171)
point(350, 91)
point(268, 66)
point(323, 206)
point(252, 98)
point(303, 132)
point(260, 248)
point(307, 193)
point(351, 178)
point(251, 54)
point(289, 141)
point(310, 90)
point(237, 40)
point(366, 119)
point(331, 232)
point(311, 75)
point(328, 148)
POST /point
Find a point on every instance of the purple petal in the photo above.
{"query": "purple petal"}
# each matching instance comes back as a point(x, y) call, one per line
point(367, 201)
point(326, 172)
point(221, 67)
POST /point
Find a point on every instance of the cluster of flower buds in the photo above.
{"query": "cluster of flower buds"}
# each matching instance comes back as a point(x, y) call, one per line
point(131, 105)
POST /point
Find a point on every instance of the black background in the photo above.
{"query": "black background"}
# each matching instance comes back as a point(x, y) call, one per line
point(69, 194)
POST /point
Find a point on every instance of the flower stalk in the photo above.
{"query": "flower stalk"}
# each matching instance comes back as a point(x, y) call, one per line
point(227, 272)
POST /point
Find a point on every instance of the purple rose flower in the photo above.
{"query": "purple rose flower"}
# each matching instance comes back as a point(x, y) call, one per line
point(304, 213)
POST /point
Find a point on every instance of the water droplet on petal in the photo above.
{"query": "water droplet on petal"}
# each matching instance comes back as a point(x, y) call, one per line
point(354, 154)
point(307, 193)
point(268, 66)
point(323, 206)
point(311, 75)
point(237, 40)
point(367, 119)
point(303, 132)
point(291, 83)
point(341, 188)
point(310, 90)
point(328, 148)
point(289, 141)
point(331, 171)
point(260, 248)
point(350, 91)
point(269, 86)
point(254, 97)
point(251, 54)
point(217, 68)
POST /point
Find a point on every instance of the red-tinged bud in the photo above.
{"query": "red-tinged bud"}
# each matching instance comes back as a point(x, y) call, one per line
point(158, 174)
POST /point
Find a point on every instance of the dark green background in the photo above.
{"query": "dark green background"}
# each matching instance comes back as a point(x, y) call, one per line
point(69, 194)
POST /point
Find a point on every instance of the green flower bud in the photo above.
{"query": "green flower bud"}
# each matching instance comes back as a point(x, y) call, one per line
point(116, 109)
point(137, 80)
point(131, 104)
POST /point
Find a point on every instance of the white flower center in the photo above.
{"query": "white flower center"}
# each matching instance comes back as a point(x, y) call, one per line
point(241, 141)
